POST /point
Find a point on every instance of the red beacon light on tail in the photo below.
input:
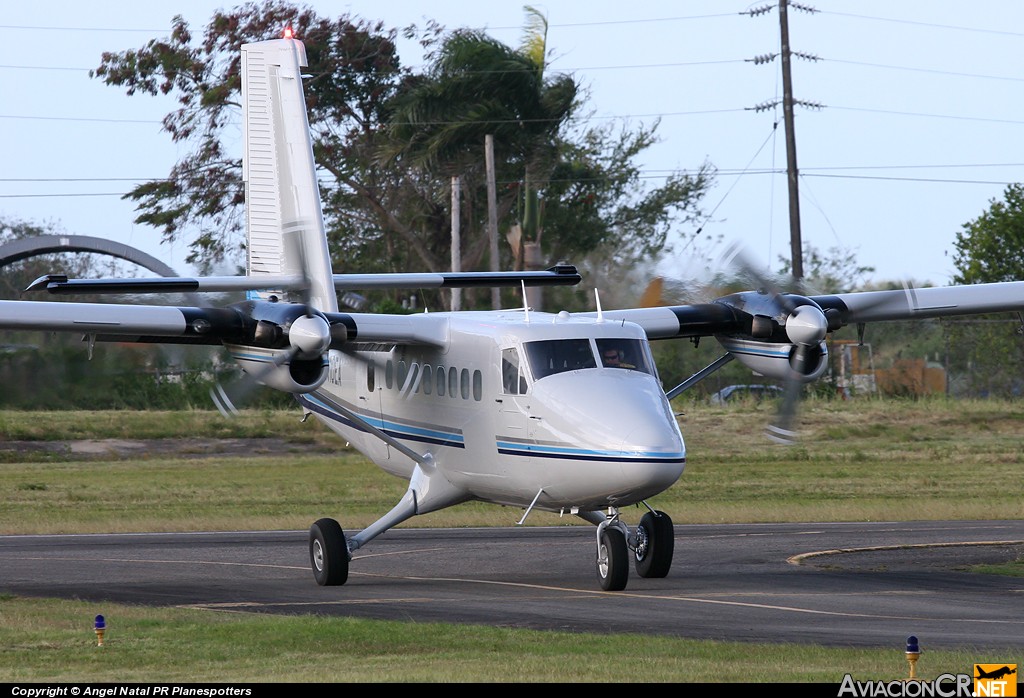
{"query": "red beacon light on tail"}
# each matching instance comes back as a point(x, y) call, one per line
point(288, 33)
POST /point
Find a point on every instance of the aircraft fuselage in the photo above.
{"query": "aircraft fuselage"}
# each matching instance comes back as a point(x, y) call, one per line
point(511, 406)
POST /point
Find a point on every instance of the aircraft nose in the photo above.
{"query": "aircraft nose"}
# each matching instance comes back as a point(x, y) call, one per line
point(625, 415)
point(655, 452)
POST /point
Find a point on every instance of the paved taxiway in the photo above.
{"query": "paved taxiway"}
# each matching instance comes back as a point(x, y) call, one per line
point(728, 582)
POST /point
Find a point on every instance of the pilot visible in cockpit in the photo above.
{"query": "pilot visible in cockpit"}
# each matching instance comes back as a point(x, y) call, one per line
point(613, 358)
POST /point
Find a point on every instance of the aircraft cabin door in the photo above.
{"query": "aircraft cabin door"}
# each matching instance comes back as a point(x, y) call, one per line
point(513, 424)
point(369, 398)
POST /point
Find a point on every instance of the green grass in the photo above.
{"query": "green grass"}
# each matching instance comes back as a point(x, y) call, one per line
point(936, 460)
point(53, 641)
point(857, 460)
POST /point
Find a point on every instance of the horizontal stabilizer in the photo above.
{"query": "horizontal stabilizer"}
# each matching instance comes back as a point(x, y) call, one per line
point(561, 275)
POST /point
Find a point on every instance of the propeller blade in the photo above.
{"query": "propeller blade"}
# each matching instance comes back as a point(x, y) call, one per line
point(226, 398)
point(736, 256)
point(224, 403)
point(783, 430)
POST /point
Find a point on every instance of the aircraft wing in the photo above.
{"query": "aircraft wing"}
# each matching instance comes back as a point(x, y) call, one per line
point(736, 314)
point(195, 325)
point(160, 322)
point(666, 322)
point(910, 303)
point(420, 328)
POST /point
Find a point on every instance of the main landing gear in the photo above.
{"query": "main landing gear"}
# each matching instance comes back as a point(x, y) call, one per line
point(328, 553)
point(652, 544)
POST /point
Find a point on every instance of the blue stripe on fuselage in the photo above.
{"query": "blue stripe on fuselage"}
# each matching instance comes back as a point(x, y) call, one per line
point(393, 429)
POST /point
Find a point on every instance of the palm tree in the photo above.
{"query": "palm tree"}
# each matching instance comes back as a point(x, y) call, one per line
point(477, 86)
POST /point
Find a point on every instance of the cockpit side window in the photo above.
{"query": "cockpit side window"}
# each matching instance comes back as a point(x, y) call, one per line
point(623, 353)
point(513, 381)
point(552, 356)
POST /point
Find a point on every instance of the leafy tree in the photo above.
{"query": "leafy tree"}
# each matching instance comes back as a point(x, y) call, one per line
point(355, 68)
point(834, 271)
point(581, 190)
point(991, 247)
point(365, 110)
point(989, 350)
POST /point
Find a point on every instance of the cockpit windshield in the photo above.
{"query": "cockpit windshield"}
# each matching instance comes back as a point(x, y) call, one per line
point(548, 357)
point(552, 356)
point(623, 353)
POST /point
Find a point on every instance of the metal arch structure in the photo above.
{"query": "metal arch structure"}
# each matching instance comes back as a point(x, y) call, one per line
point(17, 250)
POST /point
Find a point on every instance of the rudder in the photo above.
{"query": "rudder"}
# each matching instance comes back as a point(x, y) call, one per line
point(284, 219)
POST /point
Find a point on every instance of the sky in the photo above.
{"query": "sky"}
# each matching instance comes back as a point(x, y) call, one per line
point(917, 130)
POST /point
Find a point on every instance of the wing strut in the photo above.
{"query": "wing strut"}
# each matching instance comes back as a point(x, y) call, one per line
point(530, 508)
point(389, 440)
point(700, 375)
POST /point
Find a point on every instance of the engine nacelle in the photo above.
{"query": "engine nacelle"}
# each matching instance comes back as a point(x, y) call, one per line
point(282, 369)
point(776, 360)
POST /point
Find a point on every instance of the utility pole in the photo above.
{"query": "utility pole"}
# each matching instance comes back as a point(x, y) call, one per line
point(456, 239)
point(788, 102)
point(492, 216)
point(795, 242)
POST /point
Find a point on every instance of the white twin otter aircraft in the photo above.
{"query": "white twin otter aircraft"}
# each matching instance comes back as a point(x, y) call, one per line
point(556, 412)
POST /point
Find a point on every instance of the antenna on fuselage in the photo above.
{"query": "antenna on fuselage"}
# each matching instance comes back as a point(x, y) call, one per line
point(597, 298)
point(526, 305)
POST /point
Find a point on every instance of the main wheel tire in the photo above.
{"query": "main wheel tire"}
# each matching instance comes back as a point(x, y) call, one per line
point(328, 553)
point(655, 543)
point(612, 560)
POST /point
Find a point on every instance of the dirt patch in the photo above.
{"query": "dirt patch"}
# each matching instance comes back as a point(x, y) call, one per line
point(962, 556)
point(114, 449)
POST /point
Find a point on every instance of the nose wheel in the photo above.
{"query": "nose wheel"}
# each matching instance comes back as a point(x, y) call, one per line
point(612, 559)
point(652, 544)
point(655, 543)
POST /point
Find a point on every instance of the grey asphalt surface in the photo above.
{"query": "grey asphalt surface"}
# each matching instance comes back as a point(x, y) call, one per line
point(839, 584)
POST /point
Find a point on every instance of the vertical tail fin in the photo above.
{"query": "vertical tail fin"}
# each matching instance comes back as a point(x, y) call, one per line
point(284, 221)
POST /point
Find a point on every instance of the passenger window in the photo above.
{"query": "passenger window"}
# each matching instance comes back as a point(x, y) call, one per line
point(389, 374)
point(465, 384)
point(403, 371)
point(428, 377)
point(453, 382)
point(441, 378)
point(369, 377)
point(478, 385)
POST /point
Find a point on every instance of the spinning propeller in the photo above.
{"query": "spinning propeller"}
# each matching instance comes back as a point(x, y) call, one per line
point(804, 325)
point(297, 333)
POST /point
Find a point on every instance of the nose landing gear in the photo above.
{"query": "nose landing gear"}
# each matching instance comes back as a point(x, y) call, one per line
point(652, 544)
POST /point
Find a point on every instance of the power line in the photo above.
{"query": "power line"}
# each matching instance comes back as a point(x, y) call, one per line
point(925, 24)
point(649, 175)
point(19, 27)
point(934, 116)
point(928, 70)
point(912, 179)
point(80, 118)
